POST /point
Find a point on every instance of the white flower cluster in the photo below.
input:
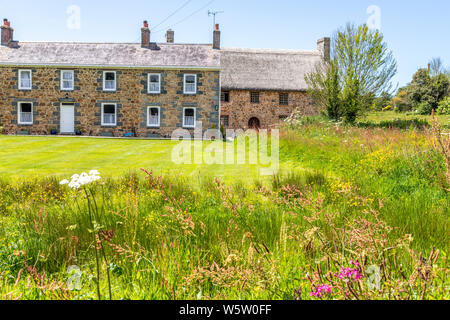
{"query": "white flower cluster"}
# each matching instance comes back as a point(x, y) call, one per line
point(79, 180)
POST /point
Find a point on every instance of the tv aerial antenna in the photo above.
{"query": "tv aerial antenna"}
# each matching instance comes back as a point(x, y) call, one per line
point(214, 14)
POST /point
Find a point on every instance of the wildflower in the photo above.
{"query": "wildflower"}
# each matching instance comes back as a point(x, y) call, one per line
point(79, 180)
point(321, 290)
point(349, 274)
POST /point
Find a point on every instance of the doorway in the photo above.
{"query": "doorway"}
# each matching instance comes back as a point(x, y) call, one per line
point(67, 118)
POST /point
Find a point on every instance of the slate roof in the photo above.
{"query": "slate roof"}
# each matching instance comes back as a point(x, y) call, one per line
point(110, 55)
point(264, 69)
point(242, 69)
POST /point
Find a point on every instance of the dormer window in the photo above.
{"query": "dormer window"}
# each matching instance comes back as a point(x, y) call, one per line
point(154, 83)
point(109, 81)
point(67, 80)
point(25, 79)
point(190, 84)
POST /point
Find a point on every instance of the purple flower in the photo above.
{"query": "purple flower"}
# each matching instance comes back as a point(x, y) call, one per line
point(349, 274)
point(321, 290)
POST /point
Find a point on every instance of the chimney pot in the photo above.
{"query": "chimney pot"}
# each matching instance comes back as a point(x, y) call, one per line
point(170, 36)
point(216, 38)
point(145, 35)
point(7, 33)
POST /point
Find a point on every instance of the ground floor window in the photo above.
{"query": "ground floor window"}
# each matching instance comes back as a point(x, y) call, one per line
point(284, 99)
point(25, 113)
point(189, 117)
point(225, 121)
point(109, 114)
point(153, 116)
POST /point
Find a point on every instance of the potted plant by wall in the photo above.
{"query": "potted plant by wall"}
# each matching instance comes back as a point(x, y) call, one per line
point(53, 131)
point(78, 131)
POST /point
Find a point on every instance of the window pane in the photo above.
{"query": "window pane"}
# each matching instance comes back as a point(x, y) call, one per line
point(25, 114)
point(153, 119)
point(67, 75)
point(25, 79)
point(189, 112)
point(109, 108)
point(190, 79)
point(109, 114)
point(154, 78)
point(110, 76)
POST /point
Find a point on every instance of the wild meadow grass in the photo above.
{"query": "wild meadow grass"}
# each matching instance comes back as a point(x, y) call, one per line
point(354, 214)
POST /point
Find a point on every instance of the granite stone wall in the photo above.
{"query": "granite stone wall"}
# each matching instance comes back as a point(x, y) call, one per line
point(269, 112)
point(132, 99)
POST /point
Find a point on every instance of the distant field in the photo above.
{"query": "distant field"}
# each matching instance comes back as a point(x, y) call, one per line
point(378, 117)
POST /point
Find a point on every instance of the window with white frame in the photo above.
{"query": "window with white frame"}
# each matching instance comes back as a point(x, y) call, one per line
point(109, 81)
point(25, 113)
point(109, 114)
point(189, 117)
point(154, 83)
point(190, 83)
point(67, 80)
point(25, 79)
point(153, 116)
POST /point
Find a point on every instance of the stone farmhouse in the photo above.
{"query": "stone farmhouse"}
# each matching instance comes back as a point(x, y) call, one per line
point(148, 89)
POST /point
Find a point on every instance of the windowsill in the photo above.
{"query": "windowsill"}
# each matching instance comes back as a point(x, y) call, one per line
point(109, 90)
point(190, 93)
point(154, 92)
point(185, 127)
point(24, 124)
point(68, 90)
point(109, 125)
point(154, 127)
point(25, 89)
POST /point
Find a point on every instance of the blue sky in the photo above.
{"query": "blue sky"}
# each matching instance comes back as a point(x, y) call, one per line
point(415, 31)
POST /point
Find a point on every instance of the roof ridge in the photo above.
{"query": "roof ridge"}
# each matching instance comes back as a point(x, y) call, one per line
point(129, 43)
point(273, 51)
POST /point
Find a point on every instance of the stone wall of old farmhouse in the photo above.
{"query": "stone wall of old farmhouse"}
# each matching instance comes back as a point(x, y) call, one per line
point(131, 98)
point(239, 111)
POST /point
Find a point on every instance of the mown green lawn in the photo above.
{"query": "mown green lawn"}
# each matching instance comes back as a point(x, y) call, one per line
point(28, 157)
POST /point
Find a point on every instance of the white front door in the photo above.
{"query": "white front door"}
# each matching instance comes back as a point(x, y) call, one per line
point(67, 119)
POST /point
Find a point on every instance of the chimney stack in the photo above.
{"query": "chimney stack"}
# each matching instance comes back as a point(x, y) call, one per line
point(324, 47)
point(216, 40)
point(145, 35)
point(170, 36)
point(7, 33)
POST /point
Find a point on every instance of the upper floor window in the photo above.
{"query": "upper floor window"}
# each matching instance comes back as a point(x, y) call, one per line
point(153, 116)
point(225, 96)
point(25, 113)
point(67, 80)
point(25, 79)
point(109, 114)
point(190, 83)
point(189, 117)
point(154, 83)
point(284, 99)
point(109, 81)
point(254, 97)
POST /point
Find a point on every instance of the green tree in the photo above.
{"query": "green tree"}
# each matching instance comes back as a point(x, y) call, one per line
point(361, 68)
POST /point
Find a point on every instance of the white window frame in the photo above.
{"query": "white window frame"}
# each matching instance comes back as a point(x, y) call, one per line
point(115, 115)
point(19, 111)
point(62, 80)
point(148, 117)
point(184, 117)
point(159, 83)
point(104, 81)
point(20, 79)
point(185, 83)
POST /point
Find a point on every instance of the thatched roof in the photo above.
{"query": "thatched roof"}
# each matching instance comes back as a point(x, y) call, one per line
point(110, 55)
point(261, 69)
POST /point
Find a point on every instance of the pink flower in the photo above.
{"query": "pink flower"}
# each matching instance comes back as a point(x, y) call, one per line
point(349, 274)
point(321, 290)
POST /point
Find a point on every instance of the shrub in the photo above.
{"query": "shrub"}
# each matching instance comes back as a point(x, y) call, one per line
point(424, 108)
point(444, 106)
